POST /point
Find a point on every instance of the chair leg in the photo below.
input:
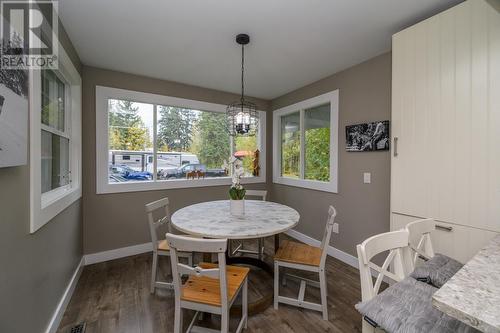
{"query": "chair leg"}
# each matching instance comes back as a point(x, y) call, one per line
point(224, 321)
point(260, 250)
point(322, 287)
point(178, 318)
point(276, 283)
point(244, 303)
point(153, 271)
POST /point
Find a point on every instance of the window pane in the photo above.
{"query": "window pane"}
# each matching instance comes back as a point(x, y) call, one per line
point(130, 135)
point(52, 100)
point(317, 143)
point(247, 150)
point(290, 145)
point(55, 161)
point(191, 144)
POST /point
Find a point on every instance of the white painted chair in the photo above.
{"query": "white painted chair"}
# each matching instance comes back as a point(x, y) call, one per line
point(160, 247)
point(209, 288)
point(420, 243)
point(261, 194)
point(307, 258)
point(395, 242)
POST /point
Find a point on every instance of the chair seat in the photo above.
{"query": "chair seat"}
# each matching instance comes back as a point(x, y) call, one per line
point(163, 245)
point(202, 289)
point(298, 253)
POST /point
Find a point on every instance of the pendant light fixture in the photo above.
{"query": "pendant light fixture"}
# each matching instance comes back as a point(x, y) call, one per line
point(242, 116)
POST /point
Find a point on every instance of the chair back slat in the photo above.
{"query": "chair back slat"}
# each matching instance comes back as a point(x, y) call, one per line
point(256, 193)
point(394, 242)
point(162, 204)
point(420, 240)
point(213, 273)
point(325, 242)
point(183, 243)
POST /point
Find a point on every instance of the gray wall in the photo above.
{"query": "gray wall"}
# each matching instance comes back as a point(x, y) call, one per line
point(117, 220)
point(35, 268)
point(363, 209)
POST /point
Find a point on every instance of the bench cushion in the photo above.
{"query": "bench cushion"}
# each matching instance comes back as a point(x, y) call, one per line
point(437, 270)
point(407, 307)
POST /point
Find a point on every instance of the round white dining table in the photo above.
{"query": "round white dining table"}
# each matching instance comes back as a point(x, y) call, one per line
point(213, 219)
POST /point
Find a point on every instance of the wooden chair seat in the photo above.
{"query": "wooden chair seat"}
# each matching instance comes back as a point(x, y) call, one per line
point(163, 245)
point(298, 253)
point(207, 290)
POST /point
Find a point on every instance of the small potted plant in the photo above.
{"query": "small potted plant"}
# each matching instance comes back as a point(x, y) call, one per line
point(237, 192)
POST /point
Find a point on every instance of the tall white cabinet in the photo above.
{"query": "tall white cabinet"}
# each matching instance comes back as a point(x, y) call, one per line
point(446, 126)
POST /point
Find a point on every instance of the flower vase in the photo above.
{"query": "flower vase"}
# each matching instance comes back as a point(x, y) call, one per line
point(237, 207)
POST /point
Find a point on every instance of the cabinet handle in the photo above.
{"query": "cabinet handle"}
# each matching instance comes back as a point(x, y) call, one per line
point(395, 148)
point(444, 228)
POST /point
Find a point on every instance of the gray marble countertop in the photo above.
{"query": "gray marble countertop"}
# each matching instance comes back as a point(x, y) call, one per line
point(473, 294)
point(213, 220)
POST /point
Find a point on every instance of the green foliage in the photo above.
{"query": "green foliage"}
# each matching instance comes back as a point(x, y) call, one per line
point(126, 129)
point(237, 193)
point(317, 158)
point(175, 128)
point(290, 154)
point(246, 143)
point(211, 140)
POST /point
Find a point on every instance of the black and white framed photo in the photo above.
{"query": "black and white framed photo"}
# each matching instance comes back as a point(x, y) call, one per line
point(13, 117)
point(368, 136)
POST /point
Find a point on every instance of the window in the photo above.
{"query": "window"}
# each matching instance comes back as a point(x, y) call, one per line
point(305, 141)
point(147, 141)
point(55, 140)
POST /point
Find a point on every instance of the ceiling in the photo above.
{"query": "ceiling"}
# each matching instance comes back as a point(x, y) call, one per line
point(293, 42)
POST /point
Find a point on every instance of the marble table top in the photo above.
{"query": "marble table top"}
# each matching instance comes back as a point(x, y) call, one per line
point(473, 294)
point(213, 220)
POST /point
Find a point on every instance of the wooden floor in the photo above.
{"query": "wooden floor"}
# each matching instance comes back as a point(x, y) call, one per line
point(114, 297)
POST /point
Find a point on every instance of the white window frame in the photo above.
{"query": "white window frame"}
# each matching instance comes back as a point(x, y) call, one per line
point(330, 186)
point(45, 206)
point(103, 94)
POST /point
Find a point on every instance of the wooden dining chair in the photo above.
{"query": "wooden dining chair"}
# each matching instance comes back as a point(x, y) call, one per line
point(395, 242)
point(209, 288)
point(307, 258)
point(160, 247)
point(261, 194)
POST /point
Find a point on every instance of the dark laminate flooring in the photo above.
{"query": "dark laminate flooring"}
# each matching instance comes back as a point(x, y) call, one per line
point(114, 297)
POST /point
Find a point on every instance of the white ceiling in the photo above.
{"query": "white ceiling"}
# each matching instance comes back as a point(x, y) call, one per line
point(293, 42)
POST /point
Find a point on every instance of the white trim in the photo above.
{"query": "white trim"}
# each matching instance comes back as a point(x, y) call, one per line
point(44, 207)
point(64, 301)
point(122, 252)
point(333, 252)
point(331, 186)
point(102, 182)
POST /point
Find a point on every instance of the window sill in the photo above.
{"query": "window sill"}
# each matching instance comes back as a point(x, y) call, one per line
point(171, 184)
point(308, 184)
point(52, 204)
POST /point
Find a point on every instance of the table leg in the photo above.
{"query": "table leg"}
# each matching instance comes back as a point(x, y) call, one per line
point(276, 242)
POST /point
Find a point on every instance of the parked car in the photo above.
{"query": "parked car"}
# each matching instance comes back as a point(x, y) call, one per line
point(127, 173)
point(183, 171)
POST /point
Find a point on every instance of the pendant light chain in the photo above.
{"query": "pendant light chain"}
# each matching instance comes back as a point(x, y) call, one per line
point(242, 73)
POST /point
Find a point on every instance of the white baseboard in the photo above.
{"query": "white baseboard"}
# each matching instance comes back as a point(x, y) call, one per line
point(63, 302)
point(122, 252)
point(333, 252)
